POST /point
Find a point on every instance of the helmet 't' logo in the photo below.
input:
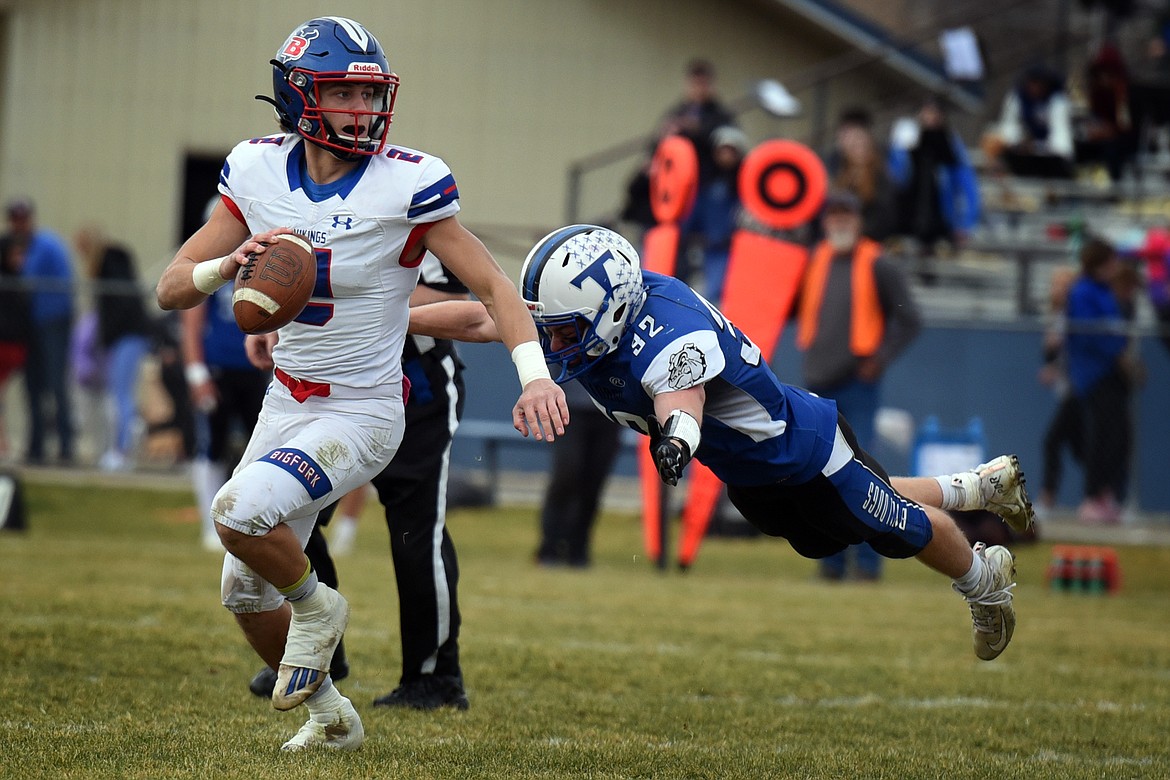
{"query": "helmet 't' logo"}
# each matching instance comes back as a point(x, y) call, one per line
point(596, 271)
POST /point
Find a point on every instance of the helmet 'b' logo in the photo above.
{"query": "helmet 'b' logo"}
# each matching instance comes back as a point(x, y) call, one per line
point(294, 48)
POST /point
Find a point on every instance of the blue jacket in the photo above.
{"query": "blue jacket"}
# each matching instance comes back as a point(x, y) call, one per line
point(1096, 331)
point(50, 278)
point(958, 187)
point(223, 341)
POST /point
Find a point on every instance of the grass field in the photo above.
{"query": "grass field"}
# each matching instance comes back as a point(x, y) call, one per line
point(120, 663)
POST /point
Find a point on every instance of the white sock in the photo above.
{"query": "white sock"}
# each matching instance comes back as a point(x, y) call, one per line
point(206, 479)
point(970, 581)
point(325, 700)
point(308, 597)
point(960, 491)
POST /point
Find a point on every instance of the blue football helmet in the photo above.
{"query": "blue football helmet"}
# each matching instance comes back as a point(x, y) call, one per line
point(325, 51)
point(588, 277)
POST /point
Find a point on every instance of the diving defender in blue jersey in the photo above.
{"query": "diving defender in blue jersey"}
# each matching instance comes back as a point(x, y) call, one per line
point(657, 357)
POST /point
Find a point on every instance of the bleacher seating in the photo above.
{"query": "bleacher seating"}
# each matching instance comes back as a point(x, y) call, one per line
point(1029, 229)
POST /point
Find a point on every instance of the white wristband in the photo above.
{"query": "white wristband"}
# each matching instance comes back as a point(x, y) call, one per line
point(680, 425)
point(206, 276)
point(529, 360)
point(197, 373)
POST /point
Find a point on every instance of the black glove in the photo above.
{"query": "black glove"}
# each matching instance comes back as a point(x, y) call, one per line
point(670, 455)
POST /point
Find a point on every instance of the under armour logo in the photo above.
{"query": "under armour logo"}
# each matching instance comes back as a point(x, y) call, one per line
point(338, 222)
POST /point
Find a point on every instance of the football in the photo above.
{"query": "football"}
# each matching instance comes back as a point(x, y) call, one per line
point(273, 288)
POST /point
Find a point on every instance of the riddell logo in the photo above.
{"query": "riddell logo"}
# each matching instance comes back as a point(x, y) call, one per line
point(364, 67)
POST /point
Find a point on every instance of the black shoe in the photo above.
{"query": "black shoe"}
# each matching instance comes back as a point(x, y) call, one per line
point(265, 679)
point(429, 692)
point(263, 683)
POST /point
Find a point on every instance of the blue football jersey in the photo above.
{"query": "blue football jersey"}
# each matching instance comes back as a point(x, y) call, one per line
point(755, 431)
point(223, 341)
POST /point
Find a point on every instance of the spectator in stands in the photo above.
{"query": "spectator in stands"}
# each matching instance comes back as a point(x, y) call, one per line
point(123, 335)
point(698, 115)
point(88, 372)
point(180, 423)
point(1155, 253)
point(857, 164)
point(582, 459)
point(48, 275)
point(1096, 347)
point(1126, 284)
point(1107, 135)
point(14, 325)
point(695, 117)
point(855, 315)
point(1035, 126)
point(716, 212)
point(938, 194)
point(1150, 90)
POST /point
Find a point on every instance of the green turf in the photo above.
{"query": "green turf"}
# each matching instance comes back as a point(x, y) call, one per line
point(120, 663)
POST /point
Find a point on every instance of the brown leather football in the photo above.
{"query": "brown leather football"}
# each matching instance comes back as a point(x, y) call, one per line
point(272, 288)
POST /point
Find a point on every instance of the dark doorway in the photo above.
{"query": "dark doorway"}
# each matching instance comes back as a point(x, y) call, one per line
point(200, 185)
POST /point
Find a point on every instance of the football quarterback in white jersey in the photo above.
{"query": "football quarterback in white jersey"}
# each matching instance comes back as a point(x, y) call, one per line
point(333, 417)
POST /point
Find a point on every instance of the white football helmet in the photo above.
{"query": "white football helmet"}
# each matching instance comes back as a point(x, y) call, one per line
point(586, 276)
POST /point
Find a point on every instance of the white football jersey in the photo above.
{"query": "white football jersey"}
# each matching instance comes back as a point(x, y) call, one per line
point(362, 228)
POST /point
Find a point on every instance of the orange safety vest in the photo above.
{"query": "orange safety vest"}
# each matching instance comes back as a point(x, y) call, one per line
point(867, 324)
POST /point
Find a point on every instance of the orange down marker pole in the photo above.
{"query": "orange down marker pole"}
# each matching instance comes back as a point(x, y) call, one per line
point(674, 182)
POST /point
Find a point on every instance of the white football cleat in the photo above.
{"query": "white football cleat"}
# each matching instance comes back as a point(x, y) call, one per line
point(308, 651)
point(993, 618)
point(997, 486)
point(339, 729)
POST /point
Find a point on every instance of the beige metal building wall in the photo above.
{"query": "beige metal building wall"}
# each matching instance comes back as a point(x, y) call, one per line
point(103, 99)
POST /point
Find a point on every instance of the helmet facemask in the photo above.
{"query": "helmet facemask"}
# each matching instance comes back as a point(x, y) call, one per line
point(333, 129)
point(579, 354)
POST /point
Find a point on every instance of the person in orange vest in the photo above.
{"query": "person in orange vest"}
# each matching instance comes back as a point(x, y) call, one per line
point(855, 314)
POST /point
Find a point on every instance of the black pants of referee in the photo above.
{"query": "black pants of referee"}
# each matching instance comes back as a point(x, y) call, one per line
point(413, 490)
